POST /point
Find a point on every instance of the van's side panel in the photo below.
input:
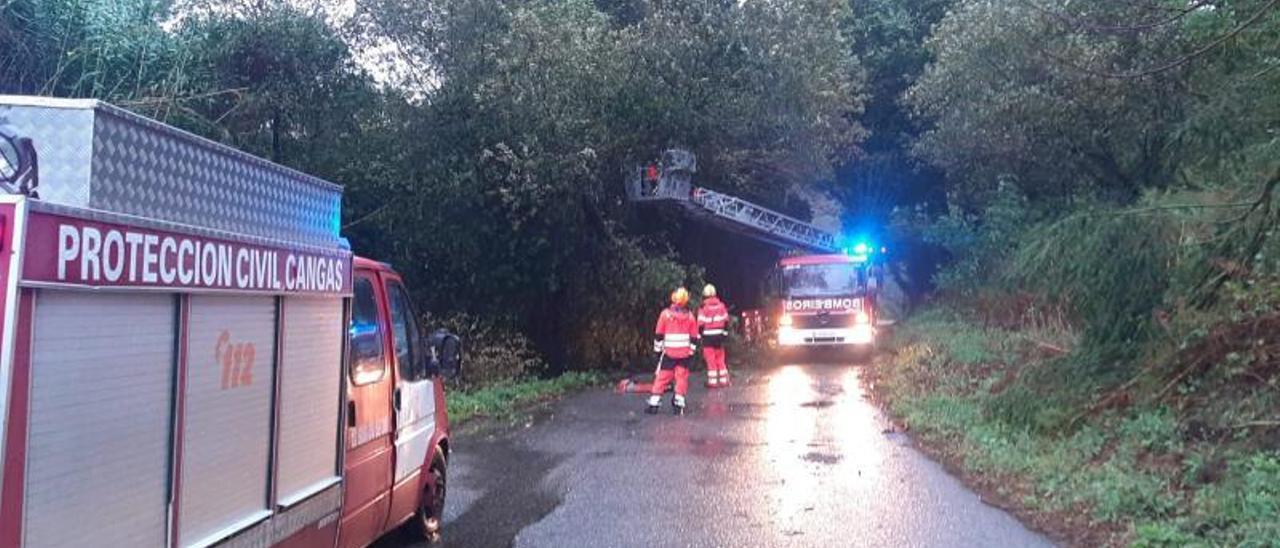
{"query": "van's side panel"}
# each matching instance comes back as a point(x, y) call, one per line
point(322, 535)
point(310, 389)
point(101, 379)
point(227, 430)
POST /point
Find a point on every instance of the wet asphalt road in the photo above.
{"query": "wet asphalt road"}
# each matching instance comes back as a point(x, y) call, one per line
point(794, 456)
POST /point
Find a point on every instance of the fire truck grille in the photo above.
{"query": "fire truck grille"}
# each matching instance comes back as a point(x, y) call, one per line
point(821, 321)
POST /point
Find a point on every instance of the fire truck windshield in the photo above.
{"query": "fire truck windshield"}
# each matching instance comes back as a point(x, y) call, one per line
point(820, 280)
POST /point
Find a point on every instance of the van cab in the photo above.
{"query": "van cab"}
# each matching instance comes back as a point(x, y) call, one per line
point(397, 428)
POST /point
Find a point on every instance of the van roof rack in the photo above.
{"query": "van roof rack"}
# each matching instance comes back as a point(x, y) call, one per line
point(97, 156)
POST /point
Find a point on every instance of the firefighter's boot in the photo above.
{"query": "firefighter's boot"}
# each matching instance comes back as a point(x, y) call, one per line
point(655, 403)
point(677, 405)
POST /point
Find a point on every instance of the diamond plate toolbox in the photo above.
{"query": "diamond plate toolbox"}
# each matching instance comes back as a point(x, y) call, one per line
point(97, 156)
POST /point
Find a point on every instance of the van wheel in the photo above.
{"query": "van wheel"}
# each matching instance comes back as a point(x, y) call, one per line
point(429, 519)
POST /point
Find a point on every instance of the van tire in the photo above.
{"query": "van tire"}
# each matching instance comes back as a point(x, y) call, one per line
point(428, 520)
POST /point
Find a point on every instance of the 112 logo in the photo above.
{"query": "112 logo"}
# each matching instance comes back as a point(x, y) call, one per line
point(236, 360)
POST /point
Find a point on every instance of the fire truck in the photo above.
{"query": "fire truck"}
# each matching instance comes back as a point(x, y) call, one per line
point(825, 300)
point(190, 355)
point(820, 294)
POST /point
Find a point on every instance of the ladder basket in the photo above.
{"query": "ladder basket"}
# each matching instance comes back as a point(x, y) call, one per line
point(674, 179)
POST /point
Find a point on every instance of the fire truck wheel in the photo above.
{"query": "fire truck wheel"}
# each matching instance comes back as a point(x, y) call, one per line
point(428, 521)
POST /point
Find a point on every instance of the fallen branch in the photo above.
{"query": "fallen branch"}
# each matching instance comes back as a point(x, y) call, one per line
point(1177, 379)
point(1205, 292)
point(1153, 209)
point(1047, 346)
point(1258, 424)
point(1111, 396)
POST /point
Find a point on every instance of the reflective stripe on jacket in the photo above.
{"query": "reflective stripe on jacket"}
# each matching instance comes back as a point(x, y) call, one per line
point(677, 330)
point(713, 321)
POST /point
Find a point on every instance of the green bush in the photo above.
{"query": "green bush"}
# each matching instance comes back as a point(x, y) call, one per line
point(1137, 466)
point(508, 398)
point(492, 353)
point(1110, 267)
point(979, 243)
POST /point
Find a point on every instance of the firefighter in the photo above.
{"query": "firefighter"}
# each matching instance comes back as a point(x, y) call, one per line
point(713, 326)
point(651, 177)
point(676, 338)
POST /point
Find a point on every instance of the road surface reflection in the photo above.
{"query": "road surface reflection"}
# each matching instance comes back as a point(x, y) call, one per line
point(789, 430)
point(820, 434)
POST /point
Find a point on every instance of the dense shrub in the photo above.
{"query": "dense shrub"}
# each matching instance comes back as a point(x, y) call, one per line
point(492, 353)
point(979, 243)
point(1112, 268)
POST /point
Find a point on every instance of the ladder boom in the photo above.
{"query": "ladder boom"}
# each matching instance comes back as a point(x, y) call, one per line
point(673, 183)
point(779, 228)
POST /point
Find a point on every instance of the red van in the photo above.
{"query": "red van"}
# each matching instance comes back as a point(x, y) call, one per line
point(190, 355)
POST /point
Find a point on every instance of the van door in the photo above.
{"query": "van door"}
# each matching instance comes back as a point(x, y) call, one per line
point(366, 499)
point(414, 402)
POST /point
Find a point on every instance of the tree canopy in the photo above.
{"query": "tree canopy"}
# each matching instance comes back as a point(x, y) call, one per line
point(482, 142)
point(1092, 100)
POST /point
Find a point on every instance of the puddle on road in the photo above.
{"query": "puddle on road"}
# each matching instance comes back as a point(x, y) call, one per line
point(822, 458)
point(824, 388)
point(703, 446)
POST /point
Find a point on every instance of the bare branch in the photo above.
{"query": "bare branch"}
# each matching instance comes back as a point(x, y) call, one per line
point(1212, 45)
point(149, 101)
point(1257, 424)
point(368, 216)
point(1080, 23)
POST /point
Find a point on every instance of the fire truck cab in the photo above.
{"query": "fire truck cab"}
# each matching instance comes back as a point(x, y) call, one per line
point(190, 355)
point(824, 301)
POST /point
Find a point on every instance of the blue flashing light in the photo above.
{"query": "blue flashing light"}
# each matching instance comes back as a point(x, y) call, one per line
point(335, 217)
point(860, 249)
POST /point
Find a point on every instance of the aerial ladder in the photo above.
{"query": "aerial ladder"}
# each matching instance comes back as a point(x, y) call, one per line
point(670, 181)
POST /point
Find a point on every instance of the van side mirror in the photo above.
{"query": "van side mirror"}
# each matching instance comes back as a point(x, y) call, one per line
point(446, 353)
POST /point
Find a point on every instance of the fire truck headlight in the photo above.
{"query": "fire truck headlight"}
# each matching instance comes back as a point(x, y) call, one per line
point(788, 336)
point(862, 318)
point(786, 320)
point(863, 334)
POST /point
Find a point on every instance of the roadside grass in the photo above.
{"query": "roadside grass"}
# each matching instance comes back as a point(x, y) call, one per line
point(507, 399)
point(1000, 407)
